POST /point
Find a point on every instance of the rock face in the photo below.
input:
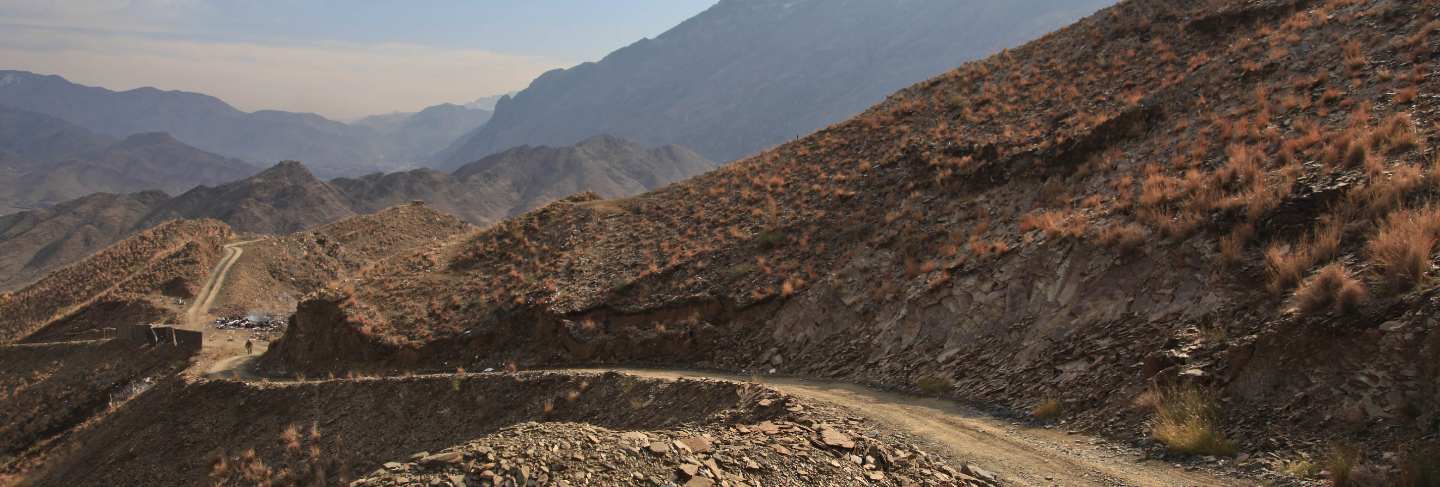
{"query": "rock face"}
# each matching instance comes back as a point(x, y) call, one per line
point(746, 75)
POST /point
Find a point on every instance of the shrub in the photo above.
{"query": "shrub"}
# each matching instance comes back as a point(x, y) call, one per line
point(1340, 463)
point(1285, 265)
point(1331, 287)
point(1187, 421)
point(1401, 250)
point(1047, 409)
point(1124, 237)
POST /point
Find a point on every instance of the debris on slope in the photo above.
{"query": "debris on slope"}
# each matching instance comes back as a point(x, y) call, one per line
point(775, 453)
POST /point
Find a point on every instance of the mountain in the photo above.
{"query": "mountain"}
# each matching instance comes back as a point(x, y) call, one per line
point(414, 137)
point(283, 199)
point(288, 198)
point(1204, 227)
point(50, 160)
point(748, 74)
point(332, 148)
point(524, 178)
point(34, 242)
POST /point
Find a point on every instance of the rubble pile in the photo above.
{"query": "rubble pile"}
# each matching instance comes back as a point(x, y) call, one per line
point(769, 453)
point(251, 323)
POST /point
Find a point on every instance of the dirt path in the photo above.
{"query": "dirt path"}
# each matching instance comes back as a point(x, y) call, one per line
point(1020, 455)
point(195, 315)
point(221, 346)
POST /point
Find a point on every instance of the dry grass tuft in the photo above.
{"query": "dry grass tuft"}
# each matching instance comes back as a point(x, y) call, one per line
point(1125, 237)
point(1401, 250)
point(1286, 265)
point(1340, 463)
point(1187, 421)
point(1331, 288)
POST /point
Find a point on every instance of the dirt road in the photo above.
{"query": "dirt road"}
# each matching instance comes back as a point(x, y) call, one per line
point(1020, 455)
point(221, 346)
point(195, 315)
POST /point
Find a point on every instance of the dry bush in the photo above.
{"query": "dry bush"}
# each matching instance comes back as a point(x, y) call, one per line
point(1047, 409)
point(934, 385)
point(1187, 421)
point(1394, 136)
point(1285, 264)
point(1331, 287)
point(1056, 224)
point(1123, 237)
point(1401, 250)
point(1339, 464)
point(1232, 245)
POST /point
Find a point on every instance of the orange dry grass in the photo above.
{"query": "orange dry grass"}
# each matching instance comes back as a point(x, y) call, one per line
point(1402, 249)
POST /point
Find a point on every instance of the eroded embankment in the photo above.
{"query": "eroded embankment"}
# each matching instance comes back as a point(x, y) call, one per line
point(174, 434)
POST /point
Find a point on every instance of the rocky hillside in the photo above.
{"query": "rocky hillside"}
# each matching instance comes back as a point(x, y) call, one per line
point(1202, 225)
point(137, 280)
point(525, 429)
point(34, 242)
point(273, 274)
point(746, 75)
point(288, 198)
point(50, 161)
point(283, 199)
point(525, 178)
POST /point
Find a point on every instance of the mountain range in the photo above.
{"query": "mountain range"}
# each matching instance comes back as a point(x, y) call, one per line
point(287, 198)
point(332, 148)
point(45, 160)
point(749, 74)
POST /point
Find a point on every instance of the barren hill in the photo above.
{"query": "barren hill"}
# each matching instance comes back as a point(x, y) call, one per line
point(137, 280)
point(276, 272)
point(35, 242)
point(1220, 205)
point(283, 199)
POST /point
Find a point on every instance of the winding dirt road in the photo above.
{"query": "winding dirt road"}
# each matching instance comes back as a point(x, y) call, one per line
point(1020, 455)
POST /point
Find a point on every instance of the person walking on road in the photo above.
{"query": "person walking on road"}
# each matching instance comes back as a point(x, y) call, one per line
point(249, 345)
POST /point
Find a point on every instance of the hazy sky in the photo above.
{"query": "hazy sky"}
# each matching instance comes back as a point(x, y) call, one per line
point(338, 58)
